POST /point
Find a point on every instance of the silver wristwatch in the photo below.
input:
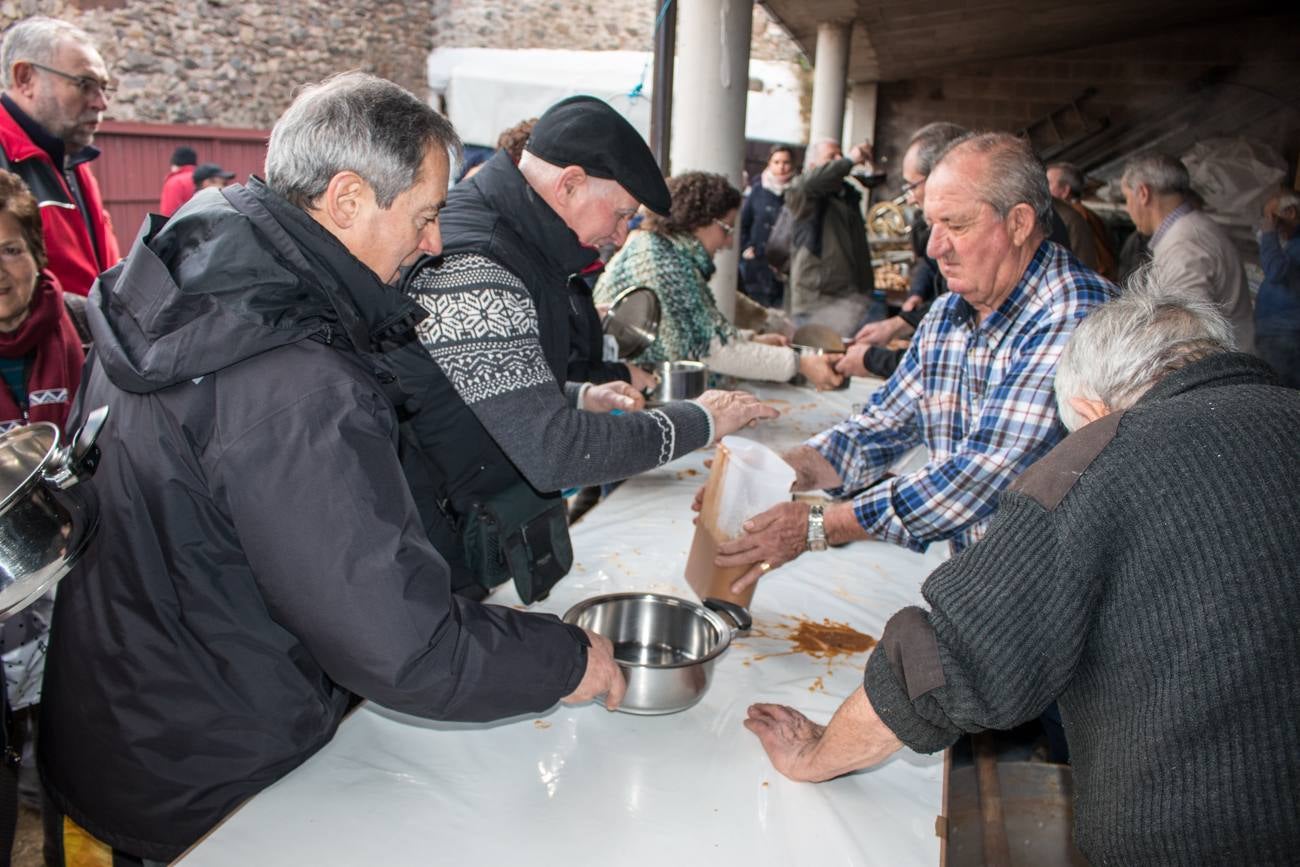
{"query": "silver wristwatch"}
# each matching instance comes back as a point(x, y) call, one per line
point(816, 529)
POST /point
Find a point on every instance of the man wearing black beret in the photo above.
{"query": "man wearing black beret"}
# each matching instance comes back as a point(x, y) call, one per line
point(515, 242)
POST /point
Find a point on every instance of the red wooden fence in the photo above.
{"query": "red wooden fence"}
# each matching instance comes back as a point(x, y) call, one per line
point(136, 156)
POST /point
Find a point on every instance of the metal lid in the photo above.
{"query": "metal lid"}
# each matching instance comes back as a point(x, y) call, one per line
point(24, 452)
point(633, 320)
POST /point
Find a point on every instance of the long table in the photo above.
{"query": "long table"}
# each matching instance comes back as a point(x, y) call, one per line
point(581, 785)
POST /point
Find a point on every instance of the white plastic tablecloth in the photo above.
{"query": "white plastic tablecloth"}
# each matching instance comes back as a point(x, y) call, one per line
point(581, 785)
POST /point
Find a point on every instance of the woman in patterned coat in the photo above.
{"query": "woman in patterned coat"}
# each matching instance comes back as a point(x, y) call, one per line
point(673, 255)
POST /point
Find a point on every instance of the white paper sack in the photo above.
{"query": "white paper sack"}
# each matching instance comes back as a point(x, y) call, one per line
point(756, 480)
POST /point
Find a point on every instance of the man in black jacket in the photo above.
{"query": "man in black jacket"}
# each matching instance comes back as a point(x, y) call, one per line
point(260, 562)
point(1143, 575)
point(501, 305)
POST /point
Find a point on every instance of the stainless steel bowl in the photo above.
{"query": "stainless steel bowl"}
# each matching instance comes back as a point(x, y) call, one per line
point(45, 524)
point(633, 321)
point(665, 646)
point(678, 380)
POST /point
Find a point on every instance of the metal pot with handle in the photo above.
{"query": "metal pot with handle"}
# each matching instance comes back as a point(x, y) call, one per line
point(678, 380)
point(45, 524)
point(664, 645)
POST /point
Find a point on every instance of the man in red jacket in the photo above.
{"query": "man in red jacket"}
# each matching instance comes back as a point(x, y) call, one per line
point(56, 89)
point(179, 184)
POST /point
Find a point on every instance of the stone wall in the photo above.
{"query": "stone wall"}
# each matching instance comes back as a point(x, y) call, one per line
point(618, 25)
point(236, 64)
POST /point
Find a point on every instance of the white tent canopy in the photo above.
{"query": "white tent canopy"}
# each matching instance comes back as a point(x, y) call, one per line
point(487, 90)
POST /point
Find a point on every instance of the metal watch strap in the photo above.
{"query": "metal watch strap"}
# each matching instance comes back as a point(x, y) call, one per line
point(816, 529)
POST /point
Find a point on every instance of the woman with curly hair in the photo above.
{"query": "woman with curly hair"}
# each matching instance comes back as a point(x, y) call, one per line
point(673, 255)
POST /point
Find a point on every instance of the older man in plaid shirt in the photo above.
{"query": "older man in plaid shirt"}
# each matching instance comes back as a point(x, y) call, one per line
point(975, 386)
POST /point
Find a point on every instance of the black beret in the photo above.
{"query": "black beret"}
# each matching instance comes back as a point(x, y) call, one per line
point(587, 132)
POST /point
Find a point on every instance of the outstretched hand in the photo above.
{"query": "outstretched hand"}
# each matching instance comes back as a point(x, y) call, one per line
point(788, 737)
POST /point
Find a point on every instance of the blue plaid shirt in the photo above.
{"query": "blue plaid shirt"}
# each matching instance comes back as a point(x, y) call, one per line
point(977, 394)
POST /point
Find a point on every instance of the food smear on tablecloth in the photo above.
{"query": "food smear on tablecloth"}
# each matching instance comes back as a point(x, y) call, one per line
point(826, 639)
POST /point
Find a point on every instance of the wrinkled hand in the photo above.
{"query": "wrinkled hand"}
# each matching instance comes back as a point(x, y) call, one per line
point(771, 339)
point(861, 153)
point(613, 395)
point(774, 538)
point(732, 410)
point(789, 738)
point(603, 676)
point(854, 361)
point(880, 333)
point(821, 370)
point(642, 380)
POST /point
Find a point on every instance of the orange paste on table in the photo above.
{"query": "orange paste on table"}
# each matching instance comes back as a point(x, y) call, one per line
point(825, 640)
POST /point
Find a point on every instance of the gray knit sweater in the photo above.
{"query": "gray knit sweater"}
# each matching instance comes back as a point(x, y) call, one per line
point(482, 330)
point(1145, 574)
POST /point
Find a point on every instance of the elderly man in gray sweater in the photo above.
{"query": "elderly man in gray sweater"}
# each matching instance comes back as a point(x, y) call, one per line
point(1190, 253)
point(1143, 575)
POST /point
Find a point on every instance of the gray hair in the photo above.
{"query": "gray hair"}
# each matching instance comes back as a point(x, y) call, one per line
point(1162, 173)
point(1071, 175)
point(1014, 175)
point(1125, 347)
point(1288, 199)
point(33, 39)
point(354, 122)
point(931, 141)
point(812, 156)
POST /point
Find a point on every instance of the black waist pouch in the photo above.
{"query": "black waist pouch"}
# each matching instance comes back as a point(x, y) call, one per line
point(517, 534)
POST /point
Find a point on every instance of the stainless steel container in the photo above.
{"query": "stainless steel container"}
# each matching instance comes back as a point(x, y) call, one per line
point(678, 380)
point(44, 525)
point(665, 646)
point(633, 321)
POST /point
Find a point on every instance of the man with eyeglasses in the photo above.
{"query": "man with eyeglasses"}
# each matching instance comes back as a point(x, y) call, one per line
point(503, 416)
point(869, 353)
point(56, 89)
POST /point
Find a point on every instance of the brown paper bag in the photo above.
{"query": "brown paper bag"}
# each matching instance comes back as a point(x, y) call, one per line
point(705, 578)
point(747, 478)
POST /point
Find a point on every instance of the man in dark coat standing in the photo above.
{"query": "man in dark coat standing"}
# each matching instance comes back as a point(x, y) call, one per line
point(260, 563)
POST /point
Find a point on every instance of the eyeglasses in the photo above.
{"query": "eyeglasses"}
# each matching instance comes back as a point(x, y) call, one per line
point(88, 85)
point(910, 186)
point(727, 228)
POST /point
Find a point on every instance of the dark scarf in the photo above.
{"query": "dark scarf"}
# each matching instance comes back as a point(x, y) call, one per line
point(55, 371)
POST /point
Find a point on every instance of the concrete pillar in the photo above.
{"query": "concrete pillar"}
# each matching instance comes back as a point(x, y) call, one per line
point(860, 125)
point(830, 70)
point(711, 84)
point(860, 119)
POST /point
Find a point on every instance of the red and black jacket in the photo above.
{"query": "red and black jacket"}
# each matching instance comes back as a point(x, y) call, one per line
point(74, 258)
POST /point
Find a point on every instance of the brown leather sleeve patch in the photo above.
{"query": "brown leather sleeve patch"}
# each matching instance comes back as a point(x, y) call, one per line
point(1053, 475)
point(913, 652)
